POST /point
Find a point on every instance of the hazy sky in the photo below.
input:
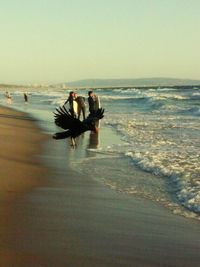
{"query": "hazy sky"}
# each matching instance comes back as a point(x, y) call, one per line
point(66, 40)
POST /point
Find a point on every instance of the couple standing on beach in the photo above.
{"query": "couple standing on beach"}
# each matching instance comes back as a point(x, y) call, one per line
point(77, 104)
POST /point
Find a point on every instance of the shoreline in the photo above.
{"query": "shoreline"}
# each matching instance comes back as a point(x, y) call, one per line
point(88, 224)
point(76, 221)
point(79, 222)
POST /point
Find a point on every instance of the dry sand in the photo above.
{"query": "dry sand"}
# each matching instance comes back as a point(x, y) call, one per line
point(78, 222)
point(20, 172)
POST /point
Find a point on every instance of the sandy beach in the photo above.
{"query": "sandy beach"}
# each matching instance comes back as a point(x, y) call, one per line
point(73, 220)
point(20, 172)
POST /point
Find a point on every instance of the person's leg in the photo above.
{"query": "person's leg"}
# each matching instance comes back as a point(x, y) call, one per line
point(79, 113)
point(83, 111)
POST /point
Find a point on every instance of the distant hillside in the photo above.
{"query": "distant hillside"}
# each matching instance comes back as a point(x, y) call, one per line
point(132, 82)
point(109, 83)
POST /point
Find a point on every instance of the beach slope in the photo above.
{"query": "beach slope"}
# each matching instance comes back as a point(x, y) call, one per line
point(20, 172)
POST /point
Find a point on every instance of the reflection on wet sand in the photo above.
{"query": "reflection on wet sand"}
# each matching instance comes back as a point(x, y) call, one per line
point(93, 140)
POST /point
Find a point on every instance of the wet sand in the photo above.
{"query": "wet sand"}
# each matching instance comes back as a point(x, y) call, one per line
point(76, 221)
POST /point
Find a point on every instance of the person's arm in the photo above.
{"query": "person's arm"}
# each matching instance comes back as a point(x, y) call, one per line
point(66, 101)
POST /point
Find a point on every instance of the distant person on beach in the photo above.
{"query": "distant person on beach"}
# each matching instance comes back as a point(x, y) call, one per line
point(81, 105)
point(93, 102)
point(8, 98)
point(25, 97)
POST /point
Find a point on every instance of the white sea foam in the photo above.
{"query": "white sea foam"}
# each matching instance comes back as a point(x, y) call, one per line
point(153, 148)
point(117, 97)
point(196, 94)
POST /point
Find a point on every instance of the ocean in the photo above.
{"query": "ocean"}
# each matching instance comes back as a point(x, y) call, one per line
point(149, 142)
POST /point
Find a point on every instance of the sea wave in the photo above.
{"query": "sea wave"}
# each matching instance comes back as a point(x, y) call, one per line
point(194, 111)
point(195, 96)
point(153, 148)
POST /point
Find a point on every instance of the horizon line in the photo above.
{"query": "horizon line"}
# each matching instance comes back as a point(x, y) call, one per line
point(45, 83)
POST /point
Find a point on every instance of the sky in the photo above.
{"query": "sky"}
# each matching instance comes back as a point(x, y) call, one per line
point(55, 41)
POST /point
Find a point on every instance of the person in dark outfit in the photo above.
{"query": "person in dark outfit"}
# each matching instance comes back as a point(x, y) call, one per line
point(25, 97)
point(81, 105)
point(70, 99)
point(93, 102)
